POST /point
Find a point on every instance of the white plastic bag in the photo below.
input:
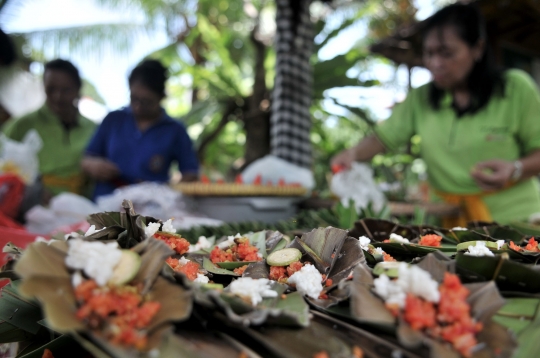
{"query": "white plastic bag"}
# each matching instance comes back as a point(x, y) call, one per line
point(156, 200)
point(20, 158)
point(64, 209)
point(273, 169)
point(357, 184)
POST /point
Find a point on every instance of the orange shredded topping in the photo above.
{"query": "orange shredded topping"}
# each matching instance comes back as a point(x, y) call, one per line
point(328, 282)
point(532, 245)
point(190, 269)
point(121, 310)
point(282, 273)
point(515, 247)
point(47, 353)
point(175, 242)
point(430, 240)
point(321, 354)
point(241, 250)
point(240, 270)
point(358, 352)
point(419, 313)
point(387, 257)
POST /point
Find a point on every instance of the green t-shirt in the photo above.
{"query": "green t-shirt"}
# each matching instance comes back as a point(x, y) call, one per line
point(508, 128)
point(62, 150)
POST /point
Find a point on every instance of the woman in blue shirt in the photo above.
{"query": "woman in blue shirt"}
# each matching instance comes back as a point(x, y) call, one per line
point(139, 143)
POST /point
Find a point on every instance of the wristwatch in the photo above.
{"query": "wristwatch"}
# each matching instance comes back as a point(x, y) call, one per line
point(518, 171)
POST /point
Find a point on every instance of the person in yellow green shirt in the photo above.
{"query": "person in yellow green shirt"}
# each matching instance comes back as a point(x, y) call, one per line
point(63, 130)
point(479, 127)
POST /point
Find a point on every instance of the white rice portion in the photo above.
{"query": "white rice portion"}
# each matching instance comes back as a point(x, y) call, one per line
point(151, 229)
point(412, 279)
point(364, 242)
point(202, 243)
point(168, 227)
point(254, 289)
point(398, 238)
point(95, 258)
point(201, 279)
point(308, 281)
point(480, 249)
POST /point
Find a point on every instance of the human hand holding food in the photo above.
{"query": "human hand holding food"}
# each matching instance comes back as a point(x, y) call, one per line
point(493, 174)
point(100, 168)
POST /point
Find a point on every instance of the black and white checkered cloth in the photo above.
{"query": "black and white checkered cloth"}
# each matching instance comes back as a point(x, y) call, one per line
point(291, 98)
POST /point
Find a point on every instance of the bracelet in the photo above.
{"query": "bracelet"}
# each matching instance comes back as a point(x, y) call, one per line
point(518, 170)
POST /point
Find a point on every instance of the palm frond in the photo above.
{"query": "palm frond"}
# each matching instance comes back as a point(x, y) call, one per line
point(90, 39)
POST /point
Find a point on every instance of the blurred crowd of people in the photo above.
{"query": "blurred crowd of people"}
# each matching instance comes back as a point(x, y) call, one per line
point(137, 143)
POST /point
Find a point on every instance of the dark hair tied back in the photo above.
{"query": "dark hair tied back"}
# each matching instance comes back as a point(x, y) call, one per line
point(485, 79)
point(152, 74)
point(66, 67)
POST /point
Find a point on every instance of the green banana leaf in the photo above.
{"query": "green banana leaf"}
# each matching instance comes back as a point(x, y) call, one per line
point(210, 267)
point(379, 230)
point(282, 310)
point(234, 264)
point(509, 275)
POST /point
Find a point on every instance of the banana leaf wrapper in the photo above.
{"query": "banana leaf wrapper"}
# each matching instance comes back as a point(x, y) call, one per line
point(282, 310)
point(125, 227)
point(484, 298)
point(46, 278)
point(509, 275)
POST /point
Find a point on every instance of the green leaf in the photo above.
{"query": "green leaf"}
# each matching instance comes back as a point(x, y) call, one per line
point(10, 333)
point(234, 264)
point(323, 246)
point(210, 267)
point(19, 313)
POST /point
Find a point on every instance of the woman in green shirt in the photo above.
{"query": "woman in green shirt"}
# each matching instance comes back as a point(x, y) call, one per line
point(63, 130)
point(479, 128)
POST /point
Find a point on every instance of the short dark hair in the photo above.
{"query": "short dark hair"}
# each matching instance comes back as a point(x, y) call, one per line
point(7, 49)
point(152, 74)
point(485, 79)
point(66, 67)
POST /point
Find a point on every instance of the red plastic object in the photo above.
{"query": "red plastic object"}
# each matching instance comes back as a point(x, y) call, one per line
point(17, 237)
point(258, 180)
point(336, 168)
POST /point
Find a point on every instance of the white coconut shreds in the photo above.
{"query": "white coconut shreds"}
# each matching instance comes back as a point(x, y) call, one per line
point(308, 281)
point(95, 258)
point(168, 227)
point(379, 251)
point(92, 230)
point(255, 290)
point(480, 249)
point(72, 234)
point(201, 278)
point(364, 242)
point(202, 243)
point(500, 244)
point(413, 280)
point(398, 238)
point(182, 261)
point(151, 229)
point(227, 243)
point(458, 228)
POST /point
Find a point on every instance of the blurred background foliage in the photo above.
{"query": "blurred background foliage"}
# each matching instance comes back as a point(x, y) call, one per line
point(222, 62)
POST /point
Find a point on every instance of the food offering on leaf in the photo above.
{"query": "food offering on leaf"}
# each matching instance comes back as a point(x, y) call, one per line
point(168, 235)
point(439, 311)
point(532, 246)
point(235, 249)
point(480, 247)
point(376, 252)
point(191, 269)
point(112, 295)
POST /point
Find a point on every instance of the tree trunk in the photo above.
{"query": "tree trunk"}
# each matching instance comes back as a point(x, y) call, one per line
point(257, 117)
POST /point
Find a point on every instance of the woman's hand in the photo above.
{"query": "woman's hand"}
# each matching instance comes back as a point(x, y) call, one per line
point(493, 174)
point(100, 168)
point(362, 152)
point(343, 160)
